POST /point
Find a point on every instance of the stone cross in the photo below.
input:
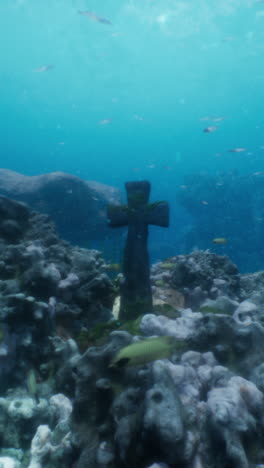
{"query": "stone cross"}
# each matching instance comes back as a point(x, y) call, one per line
point(136, 297)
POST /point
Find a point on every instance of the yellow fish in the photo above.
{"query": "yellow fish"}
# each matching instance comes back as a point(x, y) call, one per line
point(219, 240)
point(144, 351)
point(113, 267)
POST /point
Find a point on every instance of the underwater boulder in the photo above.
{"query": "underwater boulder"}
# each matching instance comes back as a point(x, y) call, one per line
point(77, 206)
point(13, 219)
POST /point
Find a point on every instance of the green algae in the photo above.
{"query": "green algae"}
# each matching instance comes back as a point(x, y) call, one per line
point(31, 380)
point(97, 335)
point(132, 326)
point(167, 266)
point(131, 310)
point(167, 310)
point(211, 310)
point(160, 283)
point(152, 206)
point(2, 333)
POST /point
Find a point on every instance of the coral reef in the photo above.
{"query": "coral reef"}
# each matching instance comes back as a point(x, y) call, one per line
point(64, 405)
point(197, 276)
point(46, 287)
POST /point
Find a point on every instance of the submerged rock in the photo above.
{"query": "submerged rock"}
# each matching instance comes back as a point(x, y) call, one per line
point(198, 276)
point(8, 462)
point(164, 420)
point(65, 406)
point(49, 447)
point(77, 207)
point(46, 287)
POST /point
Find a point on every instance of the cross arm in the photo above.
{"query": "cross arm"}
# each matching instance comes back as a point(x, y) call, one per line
point(117, 215)
point(158, 214)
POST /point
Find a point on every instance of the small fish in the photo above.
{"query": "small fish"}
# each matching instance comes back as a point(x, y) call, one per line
point(218, 119)
point(105, 121)
point(204, 202)
point(210, 129)
point(94, 17)
point(31, 380)
point(237, 150)
point(43, 68)
point(144, 351)
point(151, 166)
point(138, 117)
point(219, 240)
point(116, 267)
point(116, 307)
point(228, 38)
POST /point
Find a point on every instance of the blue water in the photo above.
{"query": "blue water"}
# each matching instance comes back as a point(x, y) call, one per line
point(152, 75)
